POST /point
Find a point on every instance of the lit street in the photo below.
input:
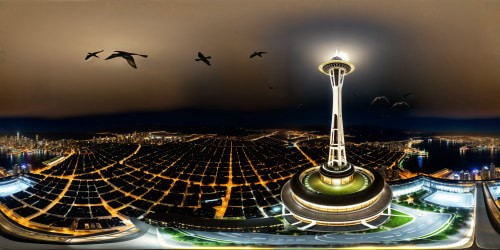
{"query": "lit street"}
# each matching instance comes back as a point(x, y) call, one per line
point(486, 236)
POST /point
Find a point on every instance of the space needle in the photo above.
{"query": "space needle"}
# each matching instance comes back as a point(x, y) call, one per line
point(336, 195)
point(337, 164)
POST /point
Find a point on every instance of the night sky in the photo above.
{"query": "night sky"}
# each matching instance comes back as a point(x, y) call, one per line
point(446, 52)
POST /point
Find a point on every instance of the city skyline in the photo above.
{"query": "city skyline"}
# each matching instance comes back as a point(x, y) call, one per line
point(443, 52)
point(232, 184)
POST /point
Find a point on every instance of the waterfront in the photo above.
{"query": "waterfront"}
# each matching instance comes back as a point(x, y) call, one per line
point(446, 154)
point(35, 158)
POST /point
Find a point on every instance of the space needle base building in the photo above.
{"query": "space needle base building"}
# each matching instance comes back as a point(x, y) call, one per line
point(336, 195)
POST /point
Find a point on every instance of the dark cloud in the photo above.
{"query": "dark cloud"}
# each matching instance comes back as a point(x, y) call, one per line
point(1, 55)
point(445, 51)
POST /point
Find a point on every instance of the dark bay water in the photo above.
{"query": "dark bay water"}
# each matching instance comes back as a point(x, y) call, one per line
point(36, 158)
point(446, 154)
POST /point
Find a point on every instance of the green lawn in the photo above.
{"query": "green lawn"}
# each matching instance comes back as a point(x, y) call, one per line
point(313, 181)
point(417, 201)
point(397, 212)
point(393, 222)
point(182, 237)
point(397, 221)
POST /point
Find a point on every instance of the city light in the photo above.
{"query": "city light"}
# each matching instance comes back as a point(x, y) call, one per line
point(12, 187)
point(245, 162)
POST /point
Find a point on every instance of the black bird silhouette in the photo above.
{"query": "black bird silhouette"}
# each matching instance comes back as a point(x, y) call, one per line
point(203, 58)
point(127, 56)
point(397, 104)
point(270, 87)
point(408, 94)
point(378, 98)
point(93, 54)
point(260, 53)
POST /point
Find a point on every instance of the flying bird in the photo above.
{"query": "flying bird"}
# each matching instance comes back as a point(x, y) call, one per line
point(398, 104)
point(127, 56)
point(259, 54)
point(93, 54)
point(270, 87)
point(408, 94)
point(379, 98)
point(203, 58)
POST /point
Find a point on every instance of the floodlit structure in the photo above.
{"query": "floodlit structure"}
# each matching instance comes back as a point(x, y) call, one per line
point(337, 69)
point(336, 195)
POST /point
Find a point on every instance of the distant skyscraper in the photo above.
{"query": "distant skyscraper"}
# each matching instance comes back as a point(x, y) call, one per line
point(462, 175)
point(493, 174)
point(17, 137)
point(467, 176)
point(26, 168)
point(485, 173)
point(16, 170)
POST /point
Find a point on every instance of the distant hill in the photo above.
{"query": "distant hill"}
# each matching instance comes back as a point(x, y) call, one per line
point(210, 120)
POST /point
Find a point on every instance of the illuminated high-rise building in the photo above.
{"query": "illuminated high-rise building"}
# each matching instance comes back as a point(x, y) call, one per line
point(493, 174)
point(467, 176)
point(485, 173)
point(16, 169)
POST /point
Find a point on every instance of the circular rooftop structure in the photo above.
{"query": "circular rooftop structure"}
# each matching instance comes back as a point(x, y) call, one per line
point(336, 63)
point(358, 202)
point(312, 182)
point(336, 172)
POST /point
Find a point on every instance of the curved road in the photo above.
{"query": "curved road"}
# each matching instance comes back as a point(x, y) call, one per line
point(426, 223)
point(486, 236)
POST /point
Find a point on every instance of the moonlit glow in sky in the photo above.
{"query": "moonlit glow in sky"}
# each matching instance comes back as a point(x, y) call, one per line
point(446, 52)
point(342, 55)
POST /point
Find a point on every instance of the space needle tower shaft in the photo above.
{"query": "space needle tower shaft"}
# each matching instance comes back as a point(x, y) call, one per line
point(337, 69)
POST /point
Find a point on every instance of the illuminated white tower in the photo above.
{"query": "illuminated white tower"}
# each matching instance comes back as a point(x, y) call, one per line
point(336, 195)
point(336, 69)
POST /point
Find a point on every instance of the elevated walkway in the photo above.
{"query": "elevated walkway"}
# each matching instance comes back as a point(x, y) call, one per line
point(300, 225)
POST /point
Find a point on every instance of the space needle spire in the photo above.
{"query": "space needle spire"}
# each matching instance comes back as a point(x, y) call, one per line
point(336, 68)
